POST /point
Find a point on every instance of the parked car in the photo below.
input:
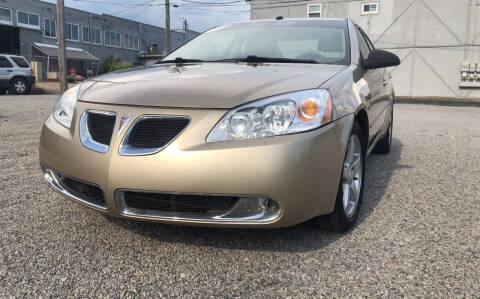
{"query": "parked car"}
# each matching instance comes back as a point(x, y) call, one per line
point(252, 124)
point(16, 74)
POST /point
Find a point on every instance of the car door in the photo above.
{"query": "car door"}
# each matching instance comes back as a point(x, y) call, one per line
point(384, 94)
point(374, 80)
point(6, 68)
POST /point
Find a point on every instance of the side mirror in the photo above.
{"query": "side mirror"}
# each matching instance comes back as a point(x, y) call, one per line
point(380, 59)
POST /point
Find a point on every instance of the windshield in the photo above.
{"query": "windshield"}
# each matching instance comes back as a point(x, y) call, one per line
point(319, 41)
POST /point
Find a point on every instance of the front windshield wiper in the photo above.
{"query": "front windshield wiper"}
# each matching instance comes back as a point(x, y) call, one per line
point(253, 58)
point(179, 60)
point(249, 58)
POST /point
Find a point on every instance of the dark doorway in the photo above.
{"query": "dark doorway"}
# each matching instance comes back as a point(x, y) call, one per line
point(9, 40)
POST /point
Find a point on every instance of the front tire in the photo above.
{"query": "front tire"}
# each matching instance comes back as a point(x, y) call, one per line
point(19, 86)
point(350, 190)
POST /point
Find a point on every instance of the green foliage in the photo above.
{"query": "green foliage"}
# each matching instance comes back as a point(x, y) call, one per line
point(112, 64)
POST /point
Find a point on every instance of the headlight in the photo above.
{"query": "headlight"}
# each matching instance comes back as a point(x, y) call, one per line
point(279, 115)
point(63, 111)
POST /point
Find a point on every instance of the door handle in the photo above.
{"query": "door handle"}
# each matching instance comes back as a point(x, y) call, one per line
point(9, 71)
point(385, 82)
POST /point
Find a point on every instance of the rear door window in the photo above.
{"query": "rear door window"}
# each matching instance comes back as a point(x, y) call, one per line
point(4, 63)
point(21, 62)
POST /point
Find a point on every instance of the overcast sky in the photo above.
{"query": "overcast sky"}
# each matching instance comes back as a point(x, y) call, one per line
point(200, 14)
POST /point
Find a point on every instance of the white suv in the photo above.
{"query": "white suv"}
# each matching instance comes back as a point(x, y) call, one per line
point(16, 75)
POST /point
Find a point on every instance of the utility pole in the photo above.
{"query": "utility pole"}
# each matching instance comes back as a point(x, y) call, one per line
point(62, 52)
point(167, 27)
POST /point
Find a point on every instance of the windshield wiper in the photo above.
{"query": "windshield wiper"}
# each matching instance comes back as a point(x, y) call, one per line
point(253, 58)
point(179, 60)
point(249, 58)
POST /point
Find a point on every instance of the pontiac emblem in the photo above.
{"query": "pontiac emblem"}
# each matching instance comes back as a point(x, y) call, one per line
point(123, 123)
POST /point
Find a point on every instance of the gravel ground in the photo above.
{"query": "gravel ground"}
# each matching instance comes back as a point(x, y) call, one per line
point(419, 233)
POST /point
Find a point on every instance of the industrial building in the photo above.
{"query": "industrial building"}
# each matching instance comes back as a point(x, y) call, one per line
point(28, 28)
point(435, 39)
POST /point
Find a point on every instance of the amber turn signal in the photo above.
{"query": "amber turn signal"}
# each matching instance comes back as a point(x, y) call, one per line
point(308, 110)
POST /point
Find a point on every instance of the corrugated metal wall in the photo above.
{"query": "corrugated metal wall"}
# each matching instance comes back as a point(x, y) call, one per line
point(432, 37)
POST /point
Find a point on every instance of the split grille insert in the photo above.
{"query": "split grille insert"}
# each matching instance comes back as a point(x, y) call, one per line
point(178, 203)
point(156, 132)
point(100, 127)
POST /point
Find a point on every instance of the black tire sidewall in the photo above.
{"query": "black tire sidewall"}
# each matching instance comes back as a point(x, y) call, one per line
point(390, 133)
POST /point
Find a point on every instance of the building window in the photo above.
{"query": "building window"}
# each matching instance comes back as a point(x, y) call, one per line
point(50, 28)
point(314, 10)
point(85, 34)
point(5, 16)
point(131, 41)
point(113, 39)
point(370, 8)
point(29, 20)
point(92, 35)
point(71, 32)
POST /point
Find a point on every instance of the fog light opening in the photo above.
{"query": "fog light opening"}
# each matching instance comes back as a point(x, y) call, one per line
point(271, 204)
point(48, 175)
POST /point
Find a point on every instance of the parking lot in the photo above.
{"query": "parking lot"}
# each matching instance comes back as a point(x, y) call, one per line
point(419, 232)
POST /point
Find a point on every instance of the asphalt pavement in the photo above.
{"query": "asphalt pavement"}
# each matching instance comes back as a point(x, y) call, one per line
point(418, 235)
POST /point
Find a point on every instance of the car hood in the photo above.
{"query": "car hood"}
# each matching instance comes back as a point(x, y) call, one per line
point(203, 85)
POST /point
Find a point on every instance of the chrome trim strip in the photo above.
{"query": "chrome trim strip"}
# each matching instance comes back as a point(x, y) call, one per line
point(54, 182)
point(248, 209)
point(124, 120)
point(127, 150)
point(86, 138)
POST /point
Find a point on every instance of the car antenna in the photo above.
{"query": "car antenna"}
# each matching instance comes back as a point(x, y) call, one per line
point(279, 18)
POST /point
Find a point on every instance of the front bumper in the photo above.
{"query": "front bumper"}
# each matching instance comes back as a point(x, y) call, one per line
point(300, 171)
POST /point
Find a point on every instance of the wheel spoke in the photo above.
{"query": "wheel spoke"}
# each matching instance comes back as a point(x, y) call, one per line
point(354, 190)
point(355, 162)
point(351, 150)
point(346, 196)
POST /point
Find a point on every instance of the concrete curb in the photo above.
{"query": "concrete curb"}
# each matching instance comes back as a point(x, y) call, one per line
point(439, 101)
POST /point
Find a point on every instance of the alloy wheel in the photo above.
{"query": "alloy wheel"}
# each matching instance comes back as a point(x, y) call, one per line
point(352, 176)
point(19, 86)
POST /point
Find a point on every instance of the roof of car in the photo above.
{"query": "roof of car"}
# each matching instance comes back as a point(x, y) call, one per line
point(12, 55)
point(294, 19)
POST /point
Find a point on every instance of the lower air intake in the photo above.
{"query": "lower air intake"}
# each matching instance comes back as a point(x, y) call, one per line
point(154, 203)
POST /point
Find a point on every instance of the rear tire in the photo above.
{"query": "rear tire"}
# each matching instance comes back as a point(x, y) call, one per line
point(384, 146)
point(350, 189)
point(19, 86)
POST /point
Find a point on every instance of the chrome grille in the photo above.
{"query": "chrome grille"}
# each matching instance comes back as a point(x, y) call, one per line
point(96, 129)
point(100, 127)
point(151, 133)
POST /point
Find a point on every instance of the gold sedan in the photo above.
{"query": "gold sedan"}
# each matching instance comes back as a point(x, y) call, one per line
point(252, 124)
